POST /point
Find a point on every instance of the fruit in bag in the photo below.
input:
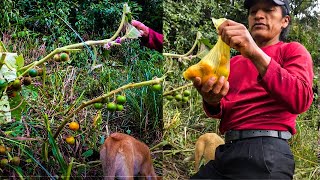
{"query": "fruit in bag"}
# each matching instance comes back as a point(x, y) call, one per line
point(215, 64)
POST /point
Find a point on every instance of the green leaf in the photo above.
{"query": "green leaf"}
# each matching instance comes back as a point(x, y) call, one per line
point(5, 114)
point(5, 72)
point(20, 61)
point(132, 32)
point(2, 47)
point(88, 153)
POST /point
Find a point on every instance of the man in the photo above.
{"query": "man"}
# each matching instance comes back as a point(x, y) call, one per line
point(269, 84)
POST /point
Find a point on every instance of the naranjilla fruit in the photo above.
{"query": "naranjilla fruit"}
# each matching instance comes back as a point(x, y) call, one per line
point(185, 99)
point(56, 58)
point(98, 105)
point(112, 106)
point(27, 81)
point(178, 97)
point(156, 87)
point(2, 149)
point(74, 126)
point(169, 97)
point(15, 161)
point(3, 83)
point(119, 107)
point(121, 99)
point(70, 140)
point(186, 93)
point(16, 84)
point(64, 57)
point(4, 162)
point(33, 72)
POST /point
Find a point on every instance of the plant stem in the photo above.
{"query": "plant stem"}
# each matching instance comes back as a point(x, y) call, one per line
point(177, 89)
point(100, 98)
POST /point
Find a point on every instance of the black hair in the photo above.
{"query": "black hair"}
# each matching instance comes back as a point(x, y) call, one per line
point(285, 31)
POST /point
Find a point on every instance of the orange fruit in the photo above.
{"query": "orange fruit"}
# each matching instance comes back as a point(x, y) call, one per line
point(74, 126)
point(70, 140)
point(2, 150)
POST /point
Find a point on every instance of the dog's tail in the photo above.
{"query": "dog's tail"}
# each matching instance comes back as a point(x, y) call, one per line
point(107, 158)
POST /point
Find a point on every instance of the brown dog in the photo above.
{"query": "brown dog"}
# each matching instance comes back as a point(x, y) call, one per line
point(206, 146)
point(124, 157)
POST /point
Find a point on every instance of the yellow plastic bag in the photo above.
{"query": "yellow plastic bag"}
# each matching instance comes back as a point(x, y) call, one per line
point(215, 64)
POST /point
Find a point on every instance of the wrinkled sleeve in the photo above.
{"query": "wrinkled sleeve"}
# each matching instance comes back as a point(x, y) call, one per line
point(153, 41)
point(291, 83)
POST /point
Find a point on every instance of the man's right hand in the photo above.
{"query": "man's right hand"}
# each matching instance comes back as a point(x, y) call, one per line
point(213, 90)
point(141, 27)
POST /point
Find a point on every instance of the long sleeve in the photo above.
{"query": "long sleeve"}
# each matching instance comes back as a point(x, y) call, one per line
point(291, 84)
point(154, 40)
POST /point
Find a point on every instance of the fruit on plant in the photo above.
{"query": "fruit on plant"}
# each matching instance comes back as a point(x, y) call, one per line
point(74, 126)
point(15, 161)
point(119, 107)
point(121, 99)
point(33, 72)
point(178, 97)
point(156, 87)
point(3, 83)
point(185, 99)
point(169, 97)
point(186, 93)
point(12, 94)
point(40, 72)
point(56, 58)
point(27, 81)
point(112, 106)
point(98, 105)
point(70, 140)
point(64, 56)
point(4, 162)
point(2, 149)
point(16, 84)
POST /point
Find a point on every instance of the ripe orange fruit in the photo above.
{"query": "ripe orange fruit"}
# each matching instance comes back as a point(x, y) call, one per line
point(2, 150)
point(56, 58)
point(70, 140)
point(74, 126)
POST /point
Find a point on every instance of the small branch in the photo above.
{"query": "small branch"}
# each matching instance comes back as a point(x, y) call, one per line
point(100, 98)
point(177, 89)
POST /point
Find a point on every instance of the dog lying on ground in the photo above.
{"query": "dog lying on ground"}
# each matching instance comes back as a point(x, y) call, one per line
point(206, 146)
point(124, 157)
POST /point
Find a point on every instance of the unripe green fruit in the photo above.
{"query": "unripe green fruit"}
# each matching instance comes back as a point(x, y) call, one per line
point(3, 83)
point(119, 107)
point(156, 87)
point(112, 106)
point(169, 97)
point(121, 99)
point(33, 72)
point(185, 99)
point(15, 161)
point(64, 57)
point(98, 105)
point(178, 97)
point(16, 84)
point(186, 93)
point(4, 162)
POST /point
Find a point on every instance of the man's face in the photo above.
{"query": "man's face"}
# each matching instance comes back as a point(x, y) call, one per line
point(266, 21)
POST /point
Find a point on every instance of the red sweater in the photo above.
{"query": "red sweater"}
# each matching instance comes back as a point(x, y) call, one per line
point(153, 41)
point(272, 102)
